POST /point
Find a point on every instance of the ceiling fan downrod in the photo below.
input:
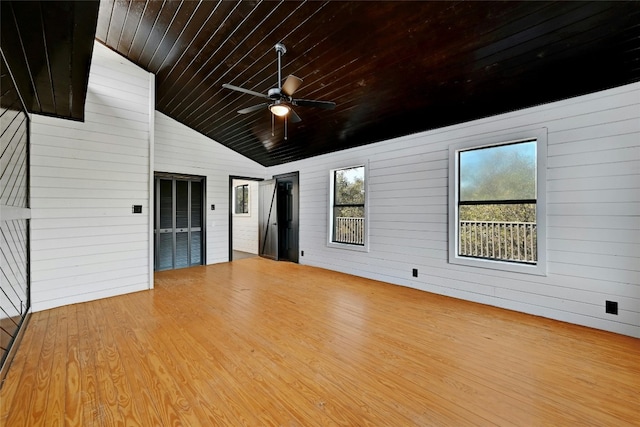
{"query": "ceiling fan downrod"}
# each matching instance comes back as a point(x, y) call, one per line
point(280, 50)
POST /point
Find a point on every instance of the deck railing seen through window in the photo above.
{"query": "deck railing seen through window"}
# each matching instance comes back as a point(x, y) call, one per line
point(349, 230)
point(506, 241)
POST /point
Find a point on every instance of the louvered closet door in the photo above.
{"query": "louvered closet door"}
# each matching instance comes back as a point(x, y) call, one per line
point(178, 231)
point(195, 213)
point(164, 224)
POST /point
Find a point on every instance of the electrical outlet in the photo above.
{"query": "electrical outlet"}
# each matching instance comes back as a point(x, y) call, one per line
point(611, 307)
point(415, 272)
point(213, 207)
point(301, 253)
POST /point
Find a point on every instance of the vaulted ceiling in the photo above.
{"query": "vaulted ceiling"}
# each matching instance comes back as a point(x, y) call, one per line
point(393, 68)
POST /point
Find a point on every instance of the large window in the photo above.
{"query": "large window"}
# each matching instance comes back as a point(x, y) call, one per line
point(348, 211)
point(242, 199)
point(498, 205)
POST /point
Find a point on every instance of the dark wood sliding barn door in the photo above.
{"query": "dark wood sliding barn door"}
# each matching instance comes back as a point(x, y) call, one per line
point(268, 220)
point(278, 217)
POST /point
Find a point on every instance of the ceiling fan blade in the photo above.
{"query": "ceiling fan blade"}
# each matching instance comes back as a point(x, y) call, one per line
point(291, 85)
point(252, 108)
point(243, 90)
point(293, 117)
point(325, 105)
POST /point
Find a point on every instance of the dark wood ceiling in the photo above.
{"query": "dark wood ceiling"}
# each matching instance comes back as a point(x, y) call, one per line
point(393, 68)
point(48, 45)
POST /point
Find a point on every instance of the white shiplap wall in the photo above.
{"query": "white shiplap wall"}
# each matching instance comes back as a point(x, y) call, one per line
point(85, 177)
point(245, 226)
point(593, 218)
point(179, 149)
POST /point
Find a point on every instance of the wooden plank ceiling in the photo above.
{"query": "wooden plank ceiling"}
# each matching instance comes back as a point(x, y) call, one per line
point(393, 68)
point(48, 47)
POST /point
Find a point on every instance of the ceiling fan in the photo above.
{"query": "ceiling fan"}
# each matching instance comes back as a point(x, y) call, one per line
point(280, 99)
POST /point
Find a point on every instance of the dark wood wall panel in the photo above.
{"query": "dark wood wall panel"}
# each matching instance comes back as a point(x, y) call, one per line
point(49, 44)
point(57, 27)
point(83, 38)
point(14, 52)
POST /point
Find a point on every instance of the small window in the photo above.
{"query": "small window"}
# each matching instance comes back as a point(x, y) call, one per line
point(242, 199)
point(498, 206)
point(348, 206)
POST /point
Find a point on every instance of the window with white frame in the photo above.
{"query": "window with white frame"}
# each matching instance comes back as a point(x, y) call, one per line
point(497, 204)
point(348, 206)
point(242, 199)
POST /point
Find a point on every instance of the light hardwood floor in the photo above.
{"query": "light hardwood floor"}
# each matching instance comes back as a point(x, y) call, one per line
point(260, 343)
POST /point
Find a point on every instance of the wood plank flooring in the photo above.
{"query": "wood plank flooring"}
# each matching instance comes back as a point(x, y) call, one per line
point(263, 343)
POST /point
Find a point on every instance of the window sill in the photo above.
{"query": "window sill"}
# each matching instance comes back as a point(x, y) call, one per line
point(538, 269)
point(348, 247)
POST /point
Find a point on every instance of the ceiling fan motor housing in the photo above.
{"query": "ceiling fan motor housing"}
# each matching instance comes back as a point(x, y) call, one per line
point(275, 93)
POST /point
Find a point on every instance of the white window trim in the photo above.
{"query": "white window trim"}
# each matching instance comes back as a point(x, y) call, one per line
point(540, 134)
point(347, 246)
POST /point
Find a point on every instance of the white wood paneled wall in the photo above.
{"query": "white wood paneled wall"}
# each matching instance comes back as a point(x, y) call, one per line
point(593, 218)
point(179, 149)
point(86, 242)
point(245, 226)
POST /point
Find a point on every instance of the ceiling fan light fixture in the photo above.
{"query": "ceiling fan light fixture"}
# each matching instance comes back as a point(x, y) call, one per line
point(279, 99)
point(279, 109)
